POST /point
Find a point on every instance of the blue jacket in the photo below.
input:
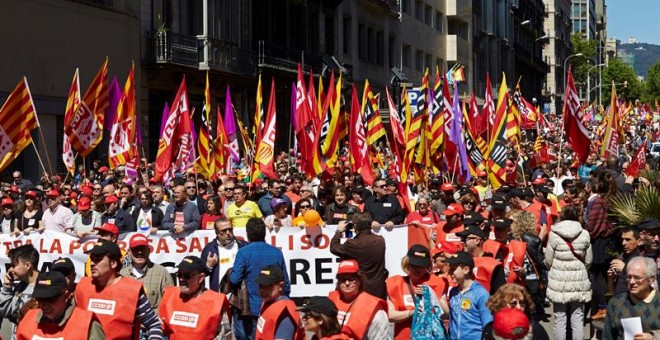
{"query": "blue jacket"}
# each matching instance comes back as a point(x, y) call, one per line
point(190, 217)
point(468, 314)
point(266, 209)
point(247, 265)
point(212, 248)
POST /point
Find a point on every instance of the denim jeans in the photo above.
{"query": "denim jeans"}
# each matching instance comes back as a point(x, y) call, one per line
point(244, 326)
point(564, 311)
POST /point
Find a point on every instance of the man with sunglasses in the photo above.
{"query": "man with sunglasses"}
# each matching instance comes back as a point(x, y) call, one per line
point(489, 271)
point(194, 197)
point(383, 206)
point(190, 310)
point(119, 302)
point(57, 217)
point(21, 182)
point(221, 253)
point(57, 316)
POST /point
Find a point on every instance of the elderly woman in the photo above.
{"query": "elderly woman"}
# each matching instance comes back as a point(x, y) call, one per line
point(279, 218)
point(568, 257)
point(512, 295)
point(403, 290)
point(523, 228)
point(421, 222)
point(368, 320)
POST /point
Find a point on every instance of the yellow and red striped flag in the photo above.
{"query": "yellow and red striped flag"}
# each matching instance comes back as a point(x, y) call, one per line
point(221, 149)
point(204, 163)
point(375, 128)
point(71, 104)
point(18, 118)
point(122, 135)
point(266, 148)
point(497, 148)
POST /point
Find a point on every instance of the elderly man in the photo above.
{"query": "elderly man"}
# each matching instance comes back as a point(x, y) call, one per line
point(21, 182)
point(383, 206)
point(181, 215)
point(194, 197)
point(154, 277)
point(641, 301)
point(158, 195)
point(57, 217)
point(220, 255)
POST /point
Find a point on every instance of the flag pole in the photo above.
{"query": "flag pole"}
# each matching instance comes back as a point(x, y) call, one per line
point(36, 117)
point(38, 156)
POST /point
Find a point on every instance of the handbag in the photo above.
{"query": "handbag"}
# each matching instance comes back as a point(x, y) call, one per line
point(427, 325)
point(570, 246)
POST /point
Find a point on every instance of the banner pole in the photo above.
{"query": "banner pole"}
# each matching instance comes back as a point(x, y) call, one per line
point(38, 156)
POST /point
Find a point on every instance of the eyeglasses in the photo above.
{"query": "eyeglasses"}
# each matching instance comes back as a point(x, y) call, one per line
point(380, 186)
point(229, 189)
point(224, 231)
point(515, 303)
point(185, 276)
point(16, 178)
point(98, 189)
point(190, 187)
point(349, 279)
point(636, 279)
point(305, 206)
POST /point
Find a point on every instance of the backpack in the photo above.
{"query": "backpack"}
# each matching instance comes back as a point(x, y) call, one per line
point(427, 325)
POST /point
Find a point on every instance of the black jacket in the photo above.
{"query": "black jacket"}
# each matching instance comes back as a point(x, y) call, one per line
point(156, 216)
point(535, 251)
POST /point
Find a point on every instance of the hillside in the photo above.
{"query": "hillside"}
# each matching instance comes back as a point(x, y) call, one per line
point(645, 55)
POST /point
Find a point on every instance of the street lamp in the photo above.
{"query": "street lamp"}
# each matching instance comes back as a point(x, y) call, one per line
point(589, 81)
point(565, 70)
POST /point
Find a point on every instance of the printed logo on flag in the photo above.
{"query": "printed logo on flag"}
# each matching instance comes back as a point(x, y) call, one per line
point(6, 144)
point(184, 319)
point(36, 337)
point(100, 306)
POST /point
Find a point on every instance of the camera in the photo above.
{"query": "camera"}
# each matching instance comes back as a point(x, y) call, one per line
point(350, 225)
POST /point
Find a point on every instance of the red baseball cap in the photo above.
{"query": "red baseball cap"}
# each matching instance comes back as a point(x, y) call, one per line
point(84, 203)
point(86, 191)
point(482, 174)
point(448, 247)
point(7, 201)
point(447, 187)
point(348, 267)
point(111, 199)
point(53, 193)
point(104, 169)
point(108, 227)
point(138, 240)
point(539, 180)
point(31, 193)
point(510, 323)
point(454, 209)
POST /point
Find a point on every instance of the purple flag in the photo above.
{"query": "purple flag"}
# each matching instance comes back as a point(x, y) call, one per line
point(163, 120)
point(456, 136)
point(114, 95)
point(230, 127)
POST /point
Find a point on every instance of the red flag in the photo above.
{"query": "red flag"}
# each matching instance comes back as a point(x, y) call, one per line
point(638, 162)
point(576, 133)
point(71, 104)
point(168, 145)
point(488, 113)
point(306, 130)
point(266, 148)
point(357, 140)
point(396, 135)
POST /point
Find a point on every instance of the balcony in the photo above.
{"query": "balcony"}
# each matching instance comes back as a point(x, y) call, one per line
point(458, 49)
point(460, 9)
point(167, 47)
point(278, 57)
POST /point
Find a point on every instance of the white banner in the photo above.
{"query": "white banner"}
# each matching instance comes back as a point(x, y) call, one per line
point(310, 264)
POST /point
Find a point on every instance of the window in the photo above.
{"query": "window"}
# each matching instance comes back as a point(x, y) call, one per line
point(419, 61)
point(405, 6)
point(427, 64)
point(438, 63)
point(347, 34)
point(391, 49)
point(362, 46)
point(419, 14)
point(438, 22)
point(371, 45)
point(380, 48)
point(405, 55)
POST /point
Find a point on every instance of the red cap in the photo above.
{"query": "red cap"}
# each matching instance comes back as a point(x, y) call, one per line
point(111, 199)
point(449, 247)
point(14, 188)
point(138, 240)
point(108, 227)
point(7, 201)
point(454, 209)
point(104, 169)
point(31, 193)
point(348, 267)
point(447, 187)
point(74, 195)
point(86, 191)
point(538, 181)
point(510, 323)
point(84, 203)
point(53, 193)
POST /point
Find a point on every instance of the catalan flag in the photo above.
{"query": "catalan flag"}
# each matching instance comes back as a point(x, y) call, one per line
point(71, 104)
point(476, 145)
point(358, 146)
point(421, 157)
point(258, 126)
point(436, 117)
point(375, 128)
point(451, 153)
point(266, 148)
point(18, 118)
point(221, 150)
point(122, 135)
point(613, 131)
point(513, 132)
point(497, 150)
point(204, 163)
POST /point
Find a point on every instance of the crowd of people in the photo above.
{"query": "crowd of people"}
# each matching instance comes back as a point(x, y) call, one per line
point(482, 263)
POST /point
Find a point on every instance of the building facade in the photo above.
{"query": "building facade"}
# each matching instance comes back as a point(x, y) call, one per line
point(558, 26)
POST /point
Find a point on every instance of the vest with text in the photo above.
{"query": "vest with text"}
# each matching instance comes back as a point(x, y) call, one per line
point(355, 321)
point(197, 317)
point(76, 327)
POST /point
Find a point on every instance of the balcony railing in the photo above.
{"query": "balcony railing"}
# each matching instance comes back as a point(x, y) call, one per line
point(174, 48)
point(286, 59)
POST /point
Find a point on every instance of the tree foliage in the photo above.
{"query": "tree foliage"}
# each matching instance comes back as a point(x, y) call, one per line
point(581, 65)
point(652, 84)
point(628, 86)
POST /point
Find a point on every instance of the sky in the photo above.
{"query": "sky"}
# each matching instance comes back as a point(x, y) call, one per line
point(633, 18)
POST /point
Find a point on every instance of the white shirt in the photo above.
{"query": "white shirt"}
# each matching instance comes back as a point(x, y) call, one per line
point(226, 257)
point(59, 219)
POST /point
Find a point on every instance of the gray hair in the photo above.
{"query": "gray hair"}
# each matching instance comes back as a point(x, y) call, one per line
point(648, 263)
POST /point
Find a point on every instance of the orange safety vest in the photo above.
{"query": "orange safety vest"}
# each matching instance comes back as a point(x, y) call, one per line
point(357, 324)
point(402, 299)
point(267, 322)
point(197, 317)
point(514, 256)
point(550, 216)
point(114, 305)
point(483, 270)
point(443, 236)
point(76, 327)
point(339, 336)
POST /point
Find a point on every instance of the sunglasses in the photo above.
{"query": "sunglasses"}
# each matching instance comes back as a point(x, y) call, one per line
point(185, 276)
point(305, 206)
point(48, 300)
point(380, 186)
point(190, 187)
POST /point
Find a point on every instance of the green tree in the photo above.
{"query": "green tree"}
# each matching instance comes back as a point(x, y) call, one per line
point(580, 65)
point(652, 84)
point(627, 85)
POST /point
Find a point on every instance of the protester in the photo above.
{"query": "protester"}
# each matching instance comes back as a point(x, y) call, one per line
point(158, 195)
point(212, 213)
point(147, 218)
point(18, 282)
point(31, 218)
point(242, 209)
point(220, 254)
point(65, 266)
point(630, 240)
point(489, 271)
point(118, 301)
point(86, 219)
point(421, 222)
point(57, 317)
point(367, 248)
point(194, 198)
point(190, 310)
point(370, 321)
point(278, 318)
point(116, 216)
point(321, 319)
point(279, 218)
point(249, 263)
point(650, 235)
point(8, 218)
point(568, 257)
point(506, 299)
point(340, 209)
point(276, 190)
point(383, 206)
point(511, 324)
point(154, 277)
point(56, 217)
point(181, 215)
point(523, 229)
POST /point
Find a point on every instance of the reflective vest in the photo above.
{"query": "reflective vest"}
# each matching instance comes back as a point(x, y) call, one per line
point(76, 327)
point(402, 299)
point(483, 270)
point(198, 317)
point(356, 322)
point(114, 305)
point(514, 255)
point(339, 336)
point(445, 236)
point(267, 322)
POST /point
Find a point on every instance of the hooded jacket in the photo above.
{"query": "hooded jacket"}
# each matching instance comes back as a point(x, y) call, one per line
point(568, 279)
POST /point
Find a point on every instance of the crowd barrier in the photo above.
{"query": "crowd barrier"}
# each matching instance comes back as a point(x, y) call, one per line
point(310, 264)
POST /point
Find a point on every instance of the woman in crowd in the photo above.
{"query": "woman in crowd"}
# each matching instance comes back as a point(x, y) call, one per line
point(320, 318)
point(469, 202)
point(523, 228)
point(568, 256)
point(512, 295)
point(212, 212)
point(339, 210)
point(86, 219)
point(417, 265)
point(8, 219)
point(304, 205)
point(147, 217)
point(279, 218)
point(421, 222)
point(30, 219)
point(368, 319)
point(357, 197)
